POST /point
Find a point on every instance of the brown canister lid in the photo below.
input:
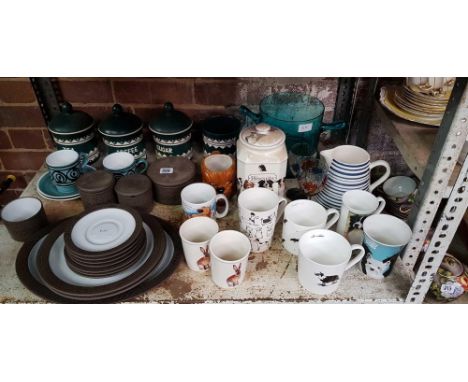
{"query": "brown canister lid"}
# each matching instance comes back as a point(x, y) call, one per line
point(95, 181)
point(133, 185)
point(172, 171)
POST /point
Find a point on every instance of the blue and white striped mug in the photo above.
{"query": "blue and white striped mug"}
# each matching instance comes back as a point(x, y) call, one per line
point(385, 236)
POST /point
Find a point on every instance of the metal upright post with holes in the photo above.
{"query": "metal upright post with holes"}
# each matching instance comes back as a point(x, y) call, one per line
point(447, 147)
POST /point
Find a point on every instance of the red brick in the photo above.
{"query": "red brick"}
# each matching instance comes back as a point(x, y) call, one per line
point(218, 92)
point(132, 91)
point(27, 138)
point(22, 179)
point(16, 92)
point(97, 112)
point(48, 139)
point(21, 116)
point(86, 91)
point(175, 91)
point(9, 195)
point(23, 160)
point(4, 141)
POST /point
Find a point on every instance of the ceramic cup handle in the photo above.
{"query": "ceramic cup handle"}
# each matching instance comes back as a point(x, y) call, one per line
point(281, 206)
point(381, 206)
point(226, 208)
point(332, 217)
point(357, 258)
point(84, 166)
point(384, 177)
point(141, 165)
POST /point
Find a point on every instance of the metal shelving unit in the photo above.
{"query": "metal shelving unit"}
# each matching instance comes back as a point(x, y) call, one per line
point(432, 155)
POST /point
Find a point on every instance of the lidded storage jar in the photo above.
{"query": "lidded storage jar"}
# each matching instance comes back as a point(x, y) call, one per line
point(123, 131)
point(96, 188)
point(169, 176)
point(171, 130)
point(262, 158)
point(74, 130)
point(135, 191)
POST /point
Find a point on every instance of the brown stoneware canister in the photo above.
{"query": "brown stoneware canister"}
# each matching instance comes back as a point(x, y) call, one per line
point(169, 176)
point(23, 217)
point(96, 188)
point(135, 191)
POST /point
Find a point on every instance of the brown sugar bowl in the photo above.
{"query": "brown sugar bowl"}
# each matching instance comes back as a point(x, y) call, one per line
point(96, 188)
point(135, 191)
point(169, 176)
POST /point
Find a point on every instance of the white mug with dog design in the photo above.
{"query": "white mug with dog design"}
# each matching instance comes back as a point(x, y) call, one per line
point(201, 199)
point(357, 205)
point(259, 210)
point(229, 252)
point(324, 256)
point(196, 234)
point(303, 215)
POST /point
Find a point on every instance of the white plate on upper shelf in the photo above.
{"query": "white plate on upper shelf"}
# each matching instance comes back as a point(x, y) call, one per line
point(103, 229)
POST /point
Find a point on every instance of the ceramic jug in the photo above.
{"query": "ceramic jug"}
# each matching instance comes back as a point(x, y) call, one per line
point(262, 158)
point(349, 168)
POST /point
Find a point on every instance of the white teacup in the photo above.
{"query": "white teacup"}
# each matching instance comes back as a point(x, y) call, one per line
point(200, 199)
point(259, 210)
point(122, 163)
point(356, 206)
point(196, 234)
point(229, 251)
point(324, 255)
point(303, 215)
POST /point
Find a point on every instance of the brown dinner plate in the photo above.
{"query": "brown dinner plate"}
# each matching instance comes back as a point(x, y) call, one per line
point(86, 293)
point(26, 269)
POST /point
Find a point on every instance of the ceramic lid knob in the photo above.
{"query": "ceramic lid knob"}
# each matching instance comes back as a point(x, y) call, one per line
point(168, 107)
point(263, 128)
point(66, 107)
point(117, 109)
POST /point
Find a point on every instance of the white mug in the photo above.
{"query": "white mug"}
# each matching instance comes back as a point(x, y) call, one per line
point(259, 210)
point(196, 234)
point(356, 206)
point(324, 255)
point(303, 215)
point(200, 199)
point(229, 252)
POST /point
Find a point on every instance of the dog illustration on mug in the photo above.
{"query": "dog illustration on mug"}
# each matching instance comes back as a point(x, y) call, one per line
point(327, 280)
point(233, 280)
point(203, 262)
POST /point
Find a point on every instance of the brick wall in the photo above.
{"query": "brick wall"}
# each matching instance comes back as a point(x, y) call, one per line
point(24, 140)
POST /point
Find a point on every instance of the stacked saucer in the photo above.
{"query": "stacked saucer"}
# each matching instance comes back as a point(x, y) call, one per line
point(107, 254)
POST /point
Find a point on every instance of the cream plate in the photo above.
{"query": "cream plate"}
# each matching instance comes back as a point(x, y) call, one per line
point(102, 230)
point(60, 268)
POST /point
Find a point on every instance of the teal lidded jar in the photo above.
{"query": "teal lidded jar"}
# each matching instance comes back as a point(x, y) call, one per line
point(172, 131)
point(74, 130)
point(123, 131)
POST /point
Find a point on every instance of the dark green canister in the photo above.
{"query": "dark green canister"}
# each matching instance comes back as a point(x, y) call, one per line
point(74, 130)
point(123, 131)
point(172, 132)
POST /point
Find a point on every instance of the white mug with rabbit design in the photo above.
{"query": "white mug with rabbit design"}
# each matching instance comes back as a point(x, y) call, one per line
point(196, 234)
point(259, 211)
point(229, 252)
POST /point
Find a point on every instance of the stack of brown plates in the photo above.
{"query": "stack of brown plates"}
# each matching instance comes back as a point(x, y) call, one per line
point(97, 243)
point(43, 265)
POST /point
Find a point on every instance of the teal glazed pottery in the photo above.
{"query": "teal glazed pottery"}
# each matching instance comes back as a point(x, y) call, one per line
point(171, 130)
point(123, 131)
point(220, 134)
point(48, 190)
point(75, 129)
point(299, 115)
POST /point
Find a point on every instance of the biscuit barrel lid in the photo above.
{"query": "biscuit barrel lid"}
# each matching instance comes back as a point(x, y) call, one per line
point(172, 171)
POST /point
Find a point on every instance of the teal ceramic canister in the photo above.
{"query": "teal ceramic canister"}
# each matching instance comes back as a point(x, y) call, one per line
point(74, 130)
point(385, 236)
point(123, 131)
point(220, 134)
point(172, 132)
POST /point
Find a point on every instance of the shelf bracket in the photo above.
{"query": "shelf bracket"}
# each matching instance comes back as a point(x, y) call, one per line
point(344, 99)
point(48, 96)
point(441, 163)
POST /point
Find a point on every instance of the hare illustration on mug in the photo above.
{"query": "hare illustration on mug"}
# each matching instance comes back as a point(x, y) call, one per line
point(233, 280)
point(204, 261)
